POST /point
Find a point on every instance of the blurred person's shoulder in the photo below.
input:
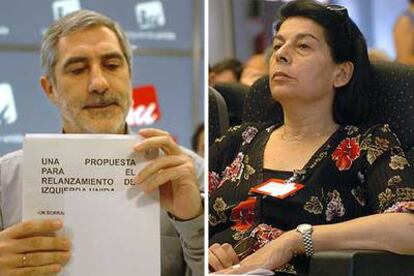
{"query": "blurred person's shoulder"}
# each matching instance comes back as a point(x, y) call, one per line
point(405, 20)
point(12, 157)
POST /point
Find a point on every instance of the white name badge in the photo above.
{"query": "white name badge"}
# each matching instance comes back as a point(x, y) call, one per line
point(277, 188)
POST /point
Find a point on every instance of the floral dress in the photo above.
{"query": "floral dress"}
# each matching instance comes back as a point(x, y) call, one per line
point(357, 172)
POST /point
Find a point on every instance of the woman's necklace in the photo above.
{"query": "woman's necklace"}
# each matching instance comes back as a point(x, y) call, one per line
point(301, 137)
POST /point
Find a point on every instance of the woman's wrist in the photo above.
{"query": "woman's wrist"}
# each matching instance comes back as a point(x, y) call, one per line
point(294, 242)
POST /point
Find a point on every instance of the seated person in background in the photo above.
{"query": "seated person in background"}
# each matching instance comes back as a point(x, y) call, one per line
point(87, 61)
point(404, 35)
point(378, 55)
point(358, 188)
point(226, 71)
point(254, 69)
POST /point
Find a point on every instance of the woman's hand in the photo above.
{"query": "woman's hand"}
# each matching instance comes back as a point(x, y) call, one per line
point(221, 256)
point(273, 255)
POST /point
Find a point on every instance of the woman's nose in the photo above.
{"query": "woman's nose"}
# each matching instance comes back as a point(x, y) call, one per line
point(282, 54)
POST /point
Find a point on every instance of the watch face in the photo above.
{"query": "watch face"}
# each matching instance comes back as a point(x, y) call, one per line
point(304, 228)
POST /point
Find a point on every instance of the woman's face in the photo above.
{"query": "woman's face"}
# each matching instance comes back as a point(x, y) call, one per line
point(301, 66)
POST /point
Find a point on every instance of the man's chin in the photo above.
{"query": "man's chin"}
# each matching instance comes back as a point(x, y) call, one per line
point(104, 122)
point(106, 128)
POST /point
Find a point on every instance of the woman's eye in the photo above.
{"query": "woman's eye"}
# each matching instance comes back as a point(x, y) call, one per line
point(303, 46)
point(276, 47)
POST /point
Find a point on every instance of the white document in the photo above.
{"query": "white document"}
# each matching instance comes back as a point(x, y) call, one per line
point(256, 272)
point(87, 181)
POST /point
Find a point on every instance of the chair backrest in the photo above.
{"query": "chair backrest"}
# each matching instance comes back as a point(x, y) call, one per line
point(218, 115)
point(410, 155)
point(391, 101)
point(233, 94)
point(259, 106)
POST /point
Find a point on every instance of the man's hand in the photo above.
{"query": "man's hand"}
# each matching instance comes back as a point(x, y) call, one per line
point(31, 248)
point(221, 256)
point(174, 175)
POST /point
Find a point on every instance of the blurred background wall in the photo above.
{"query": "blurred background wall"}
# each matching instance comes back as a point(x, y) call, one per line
point(239, 27)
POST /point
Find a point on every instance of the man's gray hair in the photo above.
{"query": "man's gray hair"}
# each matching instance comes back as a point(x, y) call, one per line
point(74, 22)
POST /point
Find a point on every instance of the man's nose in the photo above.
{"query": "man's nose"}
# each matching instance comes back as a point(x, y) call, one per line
point(97, 83)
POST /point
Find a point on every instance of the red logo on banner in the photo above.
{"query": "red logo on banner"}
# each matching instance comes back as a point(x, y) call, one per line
point(145, 108)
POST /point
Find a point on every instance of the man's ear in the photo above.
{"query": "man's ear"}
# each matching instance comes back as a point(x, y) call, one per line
point(343, 74)
point(48, 89)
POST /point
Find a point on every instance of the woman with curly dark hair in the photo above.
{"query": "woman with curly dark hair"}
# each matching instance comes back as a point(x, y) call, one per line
point(321, 180)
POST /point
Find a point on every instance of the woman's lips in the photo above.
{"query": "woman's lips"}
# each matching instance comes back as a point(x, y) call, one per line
point(281, 76)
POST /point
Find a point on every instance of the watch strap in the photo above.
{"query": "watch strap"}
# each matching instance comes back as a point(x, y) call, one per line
point(307, 241)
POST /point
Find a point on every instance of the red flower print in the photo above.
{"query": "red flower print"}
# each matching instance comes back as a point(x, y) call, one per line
point(249, 134)
point(244, 214)
point(213, 181)
point(264, 234)
point(347, 151)
point(234, 171)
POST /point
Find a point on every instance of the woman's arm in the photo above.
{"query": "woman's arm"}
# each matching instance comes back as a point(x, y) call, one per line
point(390, 232)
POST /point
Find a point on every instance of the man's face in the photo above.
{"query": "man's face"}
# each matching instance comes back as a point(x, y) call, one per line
point(92, 86)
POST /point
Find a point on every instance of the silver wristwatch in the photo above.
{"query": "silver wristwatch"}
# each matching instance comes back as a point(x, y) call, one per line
point(306, 231)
